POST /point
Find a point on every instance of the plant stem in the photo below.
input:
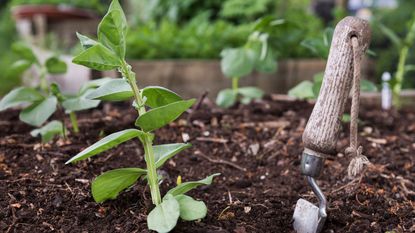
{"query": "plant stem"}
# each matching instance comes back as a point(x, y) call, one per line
point(42, 79)
point(397, 87)
point(74, 122)
point(147, 141)
point(235, 84)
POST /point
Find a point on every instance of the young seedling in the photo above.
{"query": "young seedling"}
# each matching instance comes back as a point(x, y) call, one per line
point(106, 53)
point(403, 45)
point(320, 47)
point(42, 101)
point(239, 62)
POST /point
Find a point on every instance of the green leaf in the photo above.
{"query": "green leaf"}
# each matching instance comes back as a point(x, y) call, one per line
point(393, 37)
point(49, 131)
point(190, 209)
point(303, 90)
point(113, 28)
point(18, 68)
point(409, 68)
point(79, 103)
point(237, 62)
point(55, 66)
point(251, 92)
point(37, 113)
point(268, 64)
point(86, 42)
point(187, 186)
point(367, 86)
point(164, 152)
point(163, 218)
point(109, 184)
point(226, 98)
point(24, 51)
point(19, 96)
point(158, 117)
point(114, 90)
point(159, 96)
point(107, 143)
point(98, 57)
point(92, 84)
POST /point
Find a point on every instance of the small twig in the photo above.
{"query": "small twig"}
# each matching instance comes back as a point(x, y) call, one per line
point(197, 105)
point(220, 161)
point(217, 140)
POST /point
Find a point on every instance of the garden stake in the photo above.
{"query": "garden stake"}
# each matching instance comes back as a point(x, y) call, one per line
point(350, 41)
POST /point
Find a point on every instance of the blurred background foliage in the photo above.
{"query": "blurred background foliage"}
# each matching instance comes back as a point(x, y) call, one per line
point(194, 29)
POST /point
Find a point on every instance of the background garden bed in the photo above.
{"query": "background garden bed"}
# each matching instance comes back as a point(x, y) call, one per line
point(257, 150)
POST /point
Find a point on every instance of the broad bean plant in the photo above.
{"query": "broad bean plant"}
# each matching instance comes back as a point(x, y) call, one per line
point(156, 107)
point(403, 45)
point(40, 102)
point(239, 62)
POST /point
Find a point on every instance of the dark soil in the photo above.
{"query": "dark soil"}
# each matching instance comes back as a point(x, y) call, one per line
point(257, 150)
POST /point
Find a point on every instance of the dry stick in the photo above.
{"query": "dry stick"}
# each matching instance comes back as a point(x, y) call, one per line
point(197, 105)
point(220, 161)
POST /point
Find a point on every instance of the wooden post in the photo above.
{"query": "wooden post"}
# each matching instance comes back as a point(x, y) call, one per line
point(323, 128)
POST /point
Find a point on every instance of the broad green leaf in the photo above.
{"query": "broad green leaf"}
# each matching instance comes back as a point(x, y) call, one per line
point(251, 92)
point(236, 63)
point(187, 186)
point(95, 83)
point(159, 117)
point(79, 103)
point(86, 42)
point(163, 218)
point(24, 51)
point(246, 100)
point(37, 113)
point(268, 64)
point(107, 143)
point(159, 96)
point(49, 131)
point(109, 184)
point(367, 86)
point(226, 98)
point(18, 68)
point(303, 90)
point(98, 57)
point(190, 209)
point(112, 29)
point(393, 37)
point(164, 152)
point(18, 96)
point(55, 66)
point(114, 90)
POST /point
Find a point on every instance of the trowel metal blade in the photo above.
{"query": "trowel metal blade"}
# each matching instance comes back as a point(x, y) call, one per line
point(306, 217)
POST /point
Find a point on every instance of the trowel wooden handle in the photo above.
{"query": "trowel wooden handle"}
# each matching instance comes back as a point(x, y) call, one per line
point(323, 128)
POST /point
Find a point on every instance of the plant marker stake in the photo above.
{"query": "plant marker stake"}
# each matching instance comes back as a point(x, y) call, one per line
point(386, 91)
point(323, 128)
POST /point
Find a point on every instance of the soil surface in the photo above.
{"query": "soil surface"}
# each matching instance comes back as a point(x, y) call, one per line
point(256, 148)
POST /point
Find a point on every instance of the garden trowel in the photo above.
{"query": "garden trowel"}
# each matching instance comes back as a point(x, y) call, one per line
point(322, 130)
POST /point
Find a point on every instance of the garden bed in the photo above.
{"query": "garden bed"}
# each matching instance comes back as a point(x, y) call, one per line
point(256, 149)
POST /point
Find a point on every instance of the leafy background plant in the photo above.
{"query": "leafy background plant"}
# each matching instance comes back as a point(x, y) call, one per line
point(40, 102)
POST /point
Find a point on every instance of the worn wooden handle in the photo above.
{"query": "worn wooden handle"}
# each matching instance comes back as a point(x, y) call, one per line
point(323, 128)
